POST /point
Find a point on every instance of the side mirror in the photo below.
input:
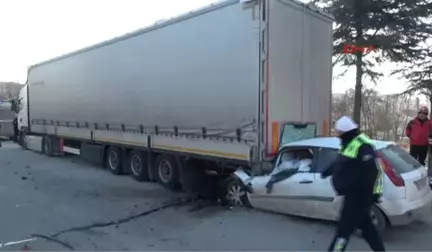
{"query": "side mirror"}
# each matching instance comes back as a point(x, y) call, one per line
point(14, 105)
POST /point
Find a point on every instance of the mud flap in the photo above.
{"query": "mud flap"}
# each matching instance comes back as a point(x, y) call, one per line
point(55, 145)
point(93, 153)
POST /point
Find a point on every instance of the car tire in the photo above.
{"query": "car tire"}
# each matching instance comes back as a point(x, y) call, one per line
point(168, 172)
point(236, 193)
point(138, 166)
point(379, 220)
point(114, 160)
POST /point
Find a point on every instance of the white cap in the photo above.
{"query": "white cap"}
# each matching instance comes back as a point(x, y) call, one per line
point(345, 124)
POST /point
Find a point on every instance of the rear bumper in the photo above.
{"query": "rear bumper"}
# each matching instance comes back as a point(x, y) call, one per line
point(403, 212)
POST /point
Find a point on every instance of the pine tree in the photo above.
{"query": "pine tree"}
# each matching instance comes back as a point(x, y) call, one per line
point(395, 28)
point(419, 75)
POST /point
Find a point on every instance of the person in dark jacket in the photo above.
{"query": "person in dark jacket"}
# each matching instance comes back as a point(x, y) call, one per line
point(418, 131)
point(357, 175)
point(15, 128)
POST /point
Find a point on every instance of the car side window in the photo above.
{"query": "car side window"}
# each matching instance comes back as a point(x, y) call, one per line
point(325, 158)
point(298, 158)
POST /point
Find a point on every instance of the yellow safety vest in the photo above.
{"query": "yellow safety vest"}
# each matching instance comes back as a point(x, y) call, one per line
point(351, 151)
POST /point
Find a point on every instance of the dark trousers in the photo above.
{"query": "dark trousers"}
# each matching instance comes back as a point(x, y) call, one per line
point(419, 152)
point(356, 216)
point(15, 128)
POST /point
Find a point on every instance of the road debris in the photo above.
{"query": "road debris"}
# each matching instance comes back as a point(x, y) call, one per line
point(11, 243)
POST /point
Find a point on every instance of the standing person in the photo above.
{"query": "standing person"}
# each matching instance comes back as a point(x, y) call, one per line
point(357, 175)
point(418, 131)
point(15, 128)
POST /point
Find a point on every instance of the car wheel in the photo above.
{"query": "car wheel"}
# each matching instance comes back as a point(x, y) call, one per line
point(114, 160)
point(378, 219)
point(236, 193)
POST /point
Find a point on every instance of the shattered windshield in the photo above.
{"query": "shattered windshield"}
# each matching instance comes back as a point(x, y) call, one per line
point(293, 132)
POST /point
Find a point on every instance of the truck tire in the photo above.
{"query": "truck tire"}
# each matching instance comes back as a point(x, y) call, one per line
point(113, 160)
point(138, 166)
point(168, 172)
point(47, 147)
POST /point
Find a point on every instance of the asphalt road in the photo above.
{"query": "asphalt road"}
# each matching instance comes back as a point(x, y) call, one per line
point(69, 205)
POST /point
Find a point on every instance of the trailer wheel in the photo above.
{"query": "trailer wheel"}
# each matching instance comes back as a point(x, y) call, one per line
point(114, 160)
point(168, 172)
point(138, 166)
point(47, 146)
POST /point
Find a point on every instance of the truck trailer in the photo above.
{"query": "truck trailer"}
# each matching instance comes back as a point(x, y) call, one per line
point(216, 89)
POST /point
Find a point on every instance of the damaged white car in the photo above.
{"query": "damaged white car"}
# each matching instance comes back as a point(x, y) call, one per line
point(294, 185)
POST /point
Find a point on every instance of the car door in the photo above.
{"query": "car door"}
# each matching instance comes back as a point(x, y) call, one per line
point(326, 199)
point(290, 196)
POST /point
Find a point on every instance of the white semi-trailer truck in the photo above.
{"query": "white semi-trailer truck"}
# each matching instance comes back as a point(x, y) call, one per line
point(215, 89)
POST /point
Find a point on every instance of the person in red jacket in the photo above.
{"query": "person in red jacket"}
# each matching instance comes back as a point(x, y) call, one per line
point(418, 131)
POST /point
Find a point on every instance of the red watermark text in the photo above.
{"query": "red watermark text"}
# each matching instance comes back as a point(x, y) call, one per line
point(354, 49)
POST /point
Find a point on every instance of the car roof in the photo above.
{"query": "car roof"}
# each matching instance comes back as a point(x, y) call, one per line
point(330, 142)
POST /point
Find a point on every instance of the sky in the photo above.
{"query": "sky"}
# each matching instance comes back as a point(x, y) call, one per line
point(32, 31)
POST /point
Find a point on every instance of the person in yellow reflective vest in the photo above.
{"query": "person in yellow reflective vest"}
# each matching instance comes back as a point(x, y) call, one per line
point(358, 176)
